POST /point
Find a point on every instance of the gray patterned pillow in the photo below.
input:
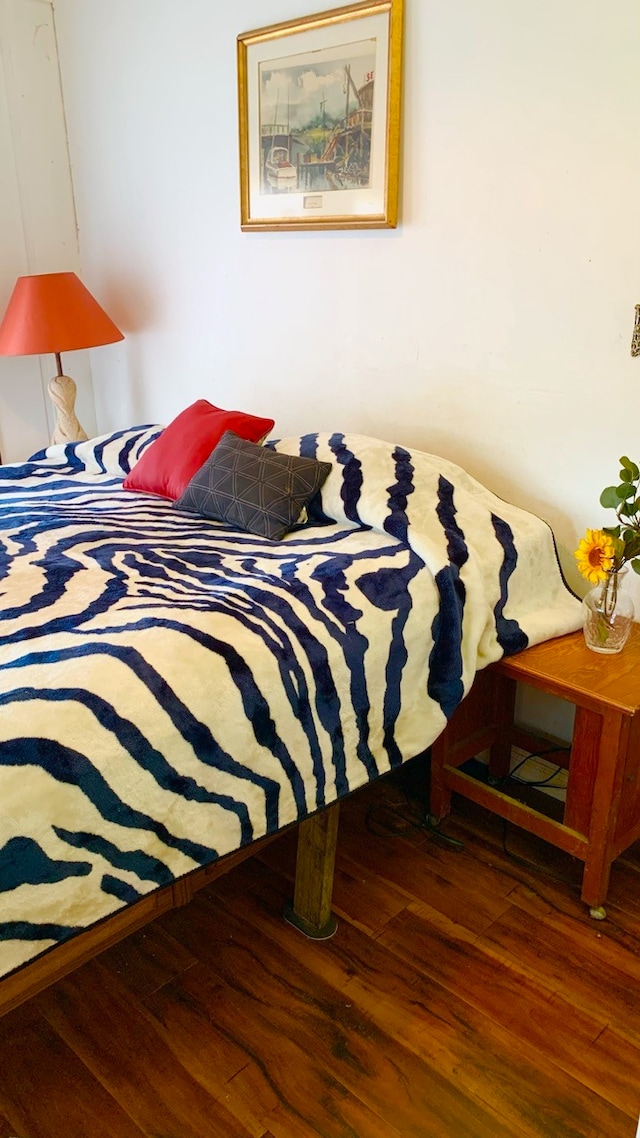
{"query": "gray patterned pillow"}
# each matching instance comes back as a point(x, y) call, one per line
point(253, 487)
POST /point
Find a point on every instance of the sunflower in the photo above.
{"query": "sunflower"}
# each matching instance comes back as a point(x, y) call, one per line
point(595, 555)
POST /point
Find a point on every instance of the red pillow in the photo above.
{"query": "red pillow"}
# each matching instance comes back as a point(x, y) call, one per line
point(169, 464)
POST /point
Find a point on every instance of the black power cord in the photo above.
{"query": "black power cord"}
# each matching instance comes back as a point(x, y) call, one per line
point(548, 781)
point(399, 818)
point(532, 866)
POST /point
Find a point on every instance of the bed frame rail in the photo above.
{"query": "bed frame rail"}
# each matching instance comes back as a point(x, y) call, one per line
point(310, 911)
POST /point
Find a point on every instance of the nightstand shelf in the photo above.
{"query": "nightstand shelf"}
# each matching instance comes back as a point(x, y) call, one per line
point(601, 817)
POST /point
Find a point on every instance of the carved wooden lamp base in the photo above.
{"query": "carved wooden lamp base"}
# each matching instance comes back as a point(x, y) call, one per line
point(62, 390)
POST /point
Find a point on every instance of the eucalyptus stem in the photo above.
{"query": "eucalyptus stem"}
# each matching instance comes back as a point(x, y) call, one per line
point(610, 595)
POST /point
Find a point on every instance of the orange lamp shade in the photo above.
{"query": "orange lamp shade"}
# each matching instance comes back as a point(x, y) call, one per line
point(53, 312)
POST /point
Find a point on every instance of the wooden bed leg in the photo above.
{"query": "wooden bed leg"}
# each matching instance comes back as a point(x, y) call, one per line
point(310, 911)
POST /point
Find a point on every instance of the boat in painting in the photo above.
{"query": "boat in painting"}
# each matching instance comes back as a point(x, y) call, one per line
point(280, 170)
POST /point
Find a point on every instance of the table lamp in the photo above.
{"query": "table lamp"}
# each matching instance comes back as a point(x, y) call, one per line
point(54, 312)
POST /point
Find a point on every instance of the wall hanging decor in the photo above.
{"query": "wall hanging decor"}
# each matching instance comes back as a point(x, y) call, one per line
point(319, 114)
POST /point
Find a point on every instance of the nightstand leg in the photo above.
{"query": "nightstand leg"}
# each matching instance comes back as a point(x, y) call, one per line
point(607, 788)
point(504, 704)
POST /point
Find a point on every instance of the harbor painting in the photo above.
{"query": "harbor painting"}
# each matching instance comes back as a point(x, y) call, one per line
point(316, 121)
point(319, 102)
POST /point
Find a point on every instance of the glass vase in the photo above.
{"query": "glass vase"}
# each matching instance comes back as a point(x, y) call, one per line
point(607, 615)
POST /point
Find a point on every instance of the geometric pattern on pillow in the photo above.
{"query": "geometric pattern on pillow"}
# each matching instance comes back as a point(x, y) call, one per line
point(168, 465)
point(252, 487)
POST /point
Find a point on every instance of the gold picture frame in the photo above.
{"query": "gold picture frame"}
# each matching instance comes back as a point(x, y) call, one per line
point(319, 115)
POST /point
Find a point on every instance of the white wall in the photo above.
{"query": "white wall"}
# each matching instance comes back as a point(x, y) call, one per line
point(37, 218)
point(492, 326)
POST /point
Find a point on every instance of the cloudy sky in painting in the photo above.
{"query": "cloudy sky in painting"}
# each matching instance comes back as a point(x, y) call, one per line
point(292, 89)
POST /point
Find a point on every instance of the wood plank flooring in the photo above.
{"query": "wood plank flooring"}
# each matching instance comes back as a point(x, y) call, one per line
point(466, 994)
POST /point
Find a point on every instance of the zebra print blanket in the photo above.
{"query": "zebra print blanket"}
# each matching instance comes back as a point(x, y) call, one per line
point(171, 690)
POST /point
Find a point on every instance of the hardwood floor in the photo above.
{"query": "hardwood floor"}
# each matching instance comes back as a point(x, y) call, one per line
point(465, 995)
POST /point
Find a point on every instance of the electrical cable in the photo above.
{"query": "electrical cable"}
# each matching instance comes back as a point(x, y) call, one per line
point(529, 865)
point(406, 817)
point(548, 781)
point(532, 866)
point(397, 819)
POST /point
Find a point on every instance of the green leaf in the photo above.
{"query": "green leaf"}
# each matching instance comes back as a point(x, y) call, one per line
point(635, 565)
point(609, 498)
point(625, 491)
point(626, 476)
point(630, 467)
point(614, 531)
point(632, 548)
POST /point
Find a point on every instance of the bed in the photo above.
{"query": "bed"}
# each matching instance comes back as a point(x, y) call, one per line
point(173, 691)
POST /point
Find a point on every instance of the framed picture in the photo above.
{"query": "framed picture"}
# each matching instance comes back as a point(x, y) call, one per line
point(319, 105)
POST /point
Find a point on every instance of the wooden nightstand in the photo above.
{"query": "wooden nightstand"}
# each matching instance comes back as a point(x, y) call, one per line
point(601, 816)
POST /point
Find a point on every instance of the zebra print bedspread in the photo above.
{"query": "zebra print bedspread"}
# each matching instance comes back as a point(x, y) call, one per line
point(171, 690)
